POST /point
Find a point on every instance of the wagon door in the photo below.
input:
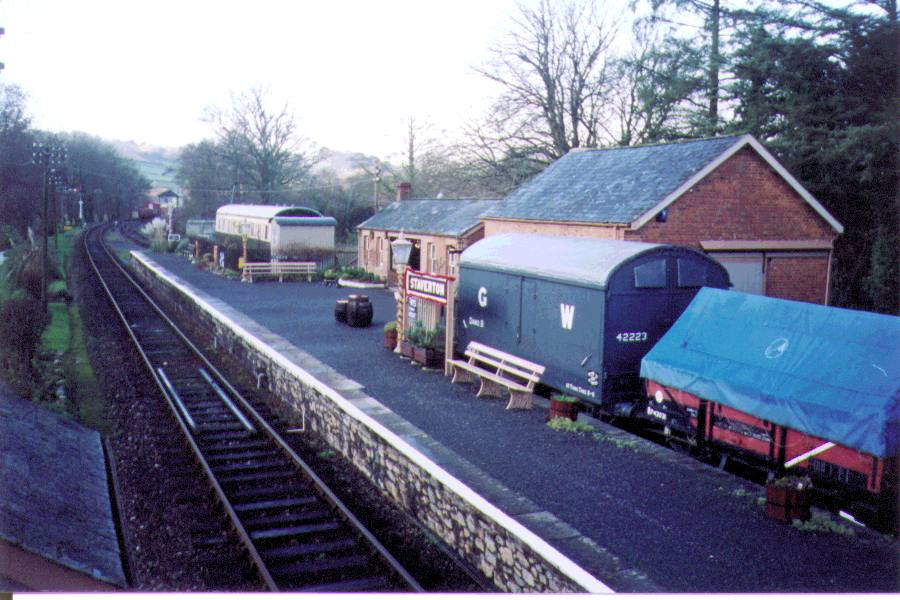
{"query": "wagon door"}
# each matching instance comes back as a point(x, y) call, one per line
point(561, 326)
point(638, 313)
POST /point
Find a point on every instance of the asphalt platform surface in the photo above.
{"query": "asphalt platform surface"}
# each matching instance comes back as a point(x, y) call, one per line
point(666, 521)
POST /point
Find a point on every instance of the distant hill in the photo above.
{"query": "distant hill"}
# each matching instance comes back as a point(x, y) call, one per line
point(344, 164)
point(159, 163)
point(156, 163)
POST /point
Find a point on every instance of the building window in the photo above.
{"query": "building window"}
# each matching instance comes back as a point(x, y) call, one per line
point(432, 258)
point(452, 262)
point(366, 250)
point(379, 253)
point(745, 269)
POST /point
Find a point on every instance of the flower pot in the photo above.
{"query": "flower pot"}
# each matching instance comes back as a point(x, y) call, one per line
point(390, 339)
point(428, 357)
point(568, 410)
point(406, 349)
point(787, 503)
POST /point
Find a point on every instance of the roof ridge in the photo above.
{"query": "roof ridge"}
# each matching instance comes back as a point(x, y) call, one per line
point(734, 136)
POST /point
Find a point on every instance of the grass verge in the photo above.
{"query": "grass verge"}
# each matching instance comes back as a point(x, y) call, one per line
point(64, 338)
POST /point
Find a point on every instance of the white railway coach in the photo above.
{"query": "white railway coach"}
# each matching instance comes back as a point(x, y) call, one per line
point(288, 231)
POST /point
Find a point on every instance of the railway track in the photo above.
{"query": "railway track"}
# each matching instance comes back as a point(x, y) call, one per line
point(296, 533)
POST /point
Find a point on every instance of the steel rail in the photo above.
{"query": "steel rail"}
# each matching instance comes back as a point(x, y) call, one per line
point(217, 381)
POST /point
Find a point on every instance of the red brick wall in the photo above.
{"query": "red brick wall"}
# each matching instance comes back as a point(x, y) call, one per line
point(745, 199)
point(797, 278)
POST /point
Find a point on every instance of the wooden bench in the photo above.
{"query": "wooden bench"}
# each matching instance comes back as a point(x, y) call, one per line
point(497, 370)
point(279, 269)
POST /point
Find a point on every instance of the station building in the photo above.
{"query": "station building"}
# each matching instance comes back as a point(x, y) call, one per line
point(727, 196)
point(440, 229)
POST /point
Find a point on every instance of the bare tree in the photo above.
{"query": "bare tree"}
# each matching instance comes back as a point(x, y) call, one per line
point(553, 72)
point(260, 143)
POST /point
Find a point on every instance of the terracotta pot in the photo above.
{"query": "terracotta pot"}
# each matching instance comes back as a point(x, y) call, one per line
point(390, 339)
point(785, 504)
point(568, 410)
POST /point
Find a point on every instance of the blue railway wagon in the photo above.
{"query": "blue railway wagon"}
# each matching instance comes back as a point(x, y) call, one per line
point(587, 309)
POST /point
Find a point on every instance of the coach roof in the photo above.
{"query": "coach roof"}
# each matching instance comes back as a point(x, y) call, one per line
point(265, 211)
point(587, 261)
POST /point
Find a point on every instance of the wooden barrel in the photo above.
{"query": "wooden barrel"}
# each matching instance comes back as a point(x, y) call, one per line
point(359, 311)
point(340, 311)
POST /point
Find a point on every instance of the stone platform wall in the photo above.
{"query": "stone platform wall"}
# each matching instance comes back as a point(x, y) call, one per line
point(503, 550)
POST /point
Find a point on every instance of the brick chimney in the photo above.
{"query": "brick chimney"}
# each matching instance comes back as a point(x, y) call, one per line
point(404, 189)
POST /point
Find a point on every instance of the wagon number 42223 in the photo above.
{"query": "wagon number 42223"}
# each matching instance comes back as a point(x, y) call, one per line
point(635, 336)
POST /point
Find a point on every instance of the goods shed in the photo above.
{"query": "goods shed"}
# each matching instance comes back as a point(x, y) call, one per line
point(276, 232)
point(585, 309)
point(802, 386)
point(728, 196)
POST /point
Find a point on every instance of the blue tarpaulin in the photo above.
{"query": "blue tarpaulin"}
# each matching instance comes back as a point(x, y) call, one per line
point(829, 372)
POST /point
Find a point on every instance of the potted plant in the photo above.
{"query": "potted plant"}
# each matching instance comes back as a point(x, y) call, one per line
point(428, 348)
point(564, 406)
point(788, 498)
point(411, 337)
point(390, 335)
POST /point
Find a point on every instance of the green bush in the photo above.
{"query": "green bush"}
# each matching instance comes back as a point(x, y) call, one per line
point(416, 335)
point(359, 274)
point(21, 323)
point(58, 290)
point(390, 326)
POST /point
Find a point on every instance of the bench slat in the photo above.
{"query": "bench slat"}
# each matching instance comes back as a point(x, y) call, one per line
point(512, 369)
point(524, 363)
point(489, 375)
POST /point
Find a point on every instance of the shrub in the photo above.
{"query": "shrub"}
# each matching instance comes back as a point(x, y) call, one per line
point(416, 335)
point(390, 326)
point(27, 274)
point(21, 323)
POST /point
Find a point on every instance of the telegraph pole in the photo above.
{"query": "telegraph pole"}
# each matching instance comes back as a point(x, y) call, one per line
point(47, 155)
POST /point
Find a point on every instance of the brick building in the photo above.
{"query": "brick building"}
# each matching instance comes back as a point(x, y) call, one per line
point(438, 228)
point(727, 196)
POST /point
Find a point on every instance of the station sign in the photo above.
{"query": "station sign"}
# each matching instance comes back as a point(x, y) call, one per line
point(427, 286)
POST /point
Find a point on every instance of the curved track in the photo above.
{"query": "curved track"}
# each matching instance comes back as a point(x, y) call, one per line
point(296, 532)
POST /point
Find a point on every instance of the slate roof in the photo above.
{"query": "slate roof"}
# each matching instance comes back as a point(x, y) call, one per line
point(609, 186)
point(54, 499)
point(434, 217)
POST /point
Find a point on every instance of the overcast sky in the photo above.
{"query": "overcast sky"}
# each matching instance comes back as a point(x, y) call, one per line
point(353, 71)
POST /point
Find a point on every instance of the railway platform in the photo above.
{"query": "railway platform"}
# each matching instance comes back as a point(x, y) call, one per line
point(638, 517)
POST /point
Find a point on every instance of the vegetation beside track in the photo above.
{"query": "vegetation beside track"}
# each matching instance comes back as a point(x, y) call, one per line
point(43, 355)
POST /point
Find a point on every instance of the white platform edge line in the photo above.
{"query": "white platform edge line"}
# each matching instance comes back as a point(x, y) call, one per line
point(539, 545)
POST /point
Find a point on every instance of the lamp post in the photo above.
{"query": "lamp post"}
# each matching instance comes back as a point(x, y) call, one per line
point(400, 251)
